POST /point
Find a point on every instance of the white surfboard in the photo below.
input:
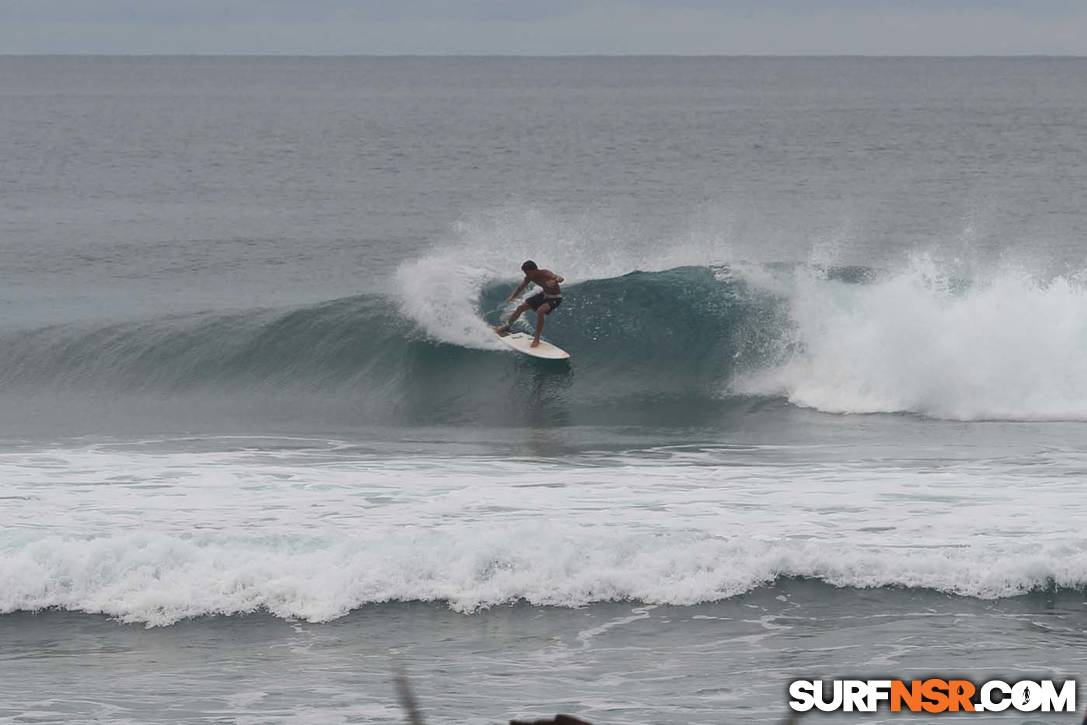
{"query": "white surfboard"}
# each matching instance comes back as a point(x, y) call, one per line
point(521, 342)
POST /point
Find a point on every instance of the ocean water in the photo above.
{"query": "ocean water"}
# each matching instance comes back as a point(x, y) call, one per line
point(826, 414)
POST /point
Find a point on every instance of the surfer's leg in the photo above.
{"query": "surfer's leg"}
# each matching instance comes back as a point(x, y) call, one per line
point(541, 313)
point(513, 318)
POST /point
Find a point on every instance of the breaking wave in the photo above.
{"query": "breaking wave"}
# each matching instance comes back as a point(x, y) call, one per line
point(840, 340)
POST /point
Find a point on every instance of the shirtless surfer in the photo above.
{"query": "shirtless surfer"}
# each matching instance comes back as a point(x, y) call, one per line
point(543, 302)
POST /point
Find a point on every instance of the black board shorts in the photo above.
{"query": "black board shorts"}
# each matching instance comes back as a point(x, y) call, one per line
point(539, 298)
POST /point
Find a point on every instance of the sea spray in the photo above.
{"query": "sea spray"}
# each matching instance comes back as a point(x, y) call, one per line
point(1007, 346)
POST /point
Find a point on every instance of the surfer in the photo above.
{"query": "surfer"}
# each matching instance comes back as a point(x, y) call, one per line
point(543, 302)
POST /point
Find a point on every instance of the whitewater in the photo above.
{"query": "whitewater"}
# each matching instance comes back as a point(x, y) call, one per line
point(146, 534)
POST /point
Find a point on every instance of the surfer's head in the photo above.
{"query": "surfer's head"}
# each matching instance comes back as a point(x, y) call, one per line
point(529, 266)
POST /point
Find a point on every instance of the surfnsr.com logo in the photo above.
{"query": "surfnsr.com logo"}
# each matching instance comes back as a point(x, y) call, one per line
point(932, 695)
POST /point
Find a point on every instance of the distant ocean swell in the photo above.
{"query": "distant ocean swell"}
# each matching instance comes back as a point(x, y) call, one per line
point(844, 340)
point(159, 579)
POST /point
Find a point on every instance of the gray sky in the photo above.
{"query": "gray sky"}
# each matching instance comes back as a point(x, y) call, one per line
point(543, 27)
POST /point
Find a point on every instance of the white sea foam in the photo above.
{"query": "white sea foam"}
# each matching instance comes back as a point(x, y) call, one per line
point(159, 579)
point(1005, 346)
point(158, 537)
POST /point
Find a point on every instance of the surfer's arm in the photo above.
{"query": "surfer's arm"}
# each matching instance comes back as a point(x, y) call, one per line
point(519, 290)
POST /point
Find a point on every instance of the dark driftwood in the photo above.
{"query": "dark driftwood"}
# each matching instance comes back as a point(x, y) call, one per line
point(415, 717)
point(407, 700)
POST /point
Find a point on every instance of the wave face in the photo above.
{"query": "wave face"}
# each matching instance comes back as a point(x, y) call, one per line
point(661, 336)
point(662, 346)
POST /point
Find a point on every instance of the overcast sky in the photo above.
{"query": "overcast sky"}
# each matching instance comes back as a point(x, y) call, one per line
point(544, 27)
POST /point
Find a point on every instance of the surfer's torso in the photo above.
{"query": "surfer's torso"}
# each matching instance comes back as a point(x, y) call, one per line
point(546, 280)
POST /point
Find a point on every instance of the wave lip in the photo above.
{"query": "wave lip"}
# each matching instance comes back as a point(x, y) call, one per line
point(161, 579)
